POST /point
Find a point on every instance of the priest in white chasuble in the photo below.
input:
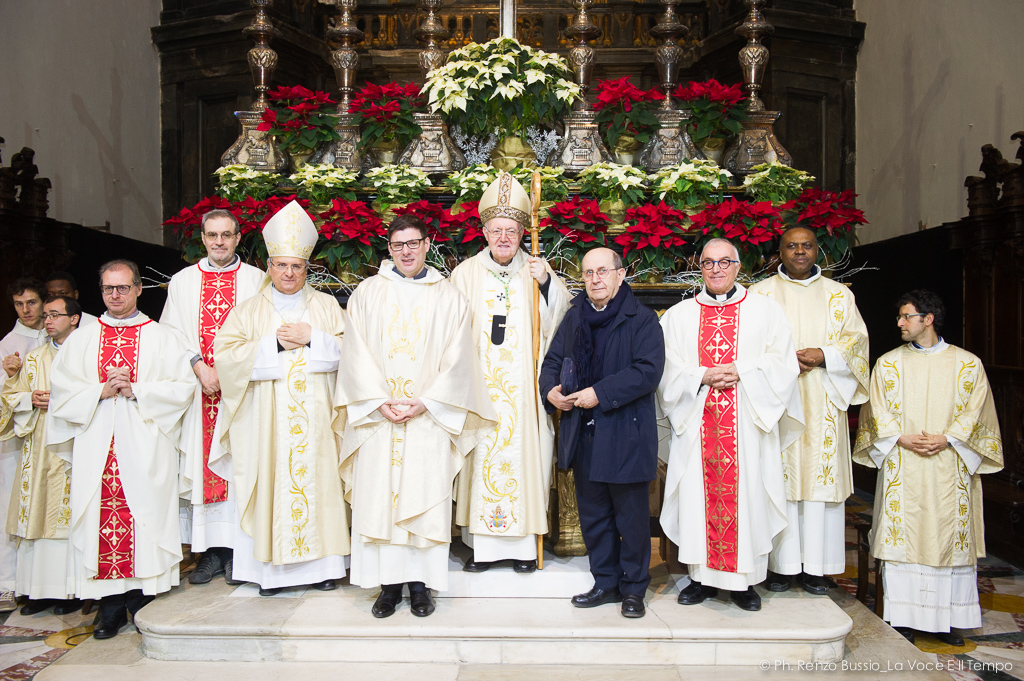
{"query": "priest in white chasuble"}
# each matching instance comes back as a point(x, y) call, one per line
point(277, 357)
point(502, 491)
point(199, 299)
point(412, 405)
point(730, 394)
point(930, 427)
point(39, 514)
point(120, 389)
point(832, 350)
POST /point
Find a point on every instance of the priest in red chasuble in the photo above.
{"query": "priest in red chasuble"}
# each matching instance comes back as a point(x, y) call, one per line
point(199, 299)
point(730, 394)
point(120, 388)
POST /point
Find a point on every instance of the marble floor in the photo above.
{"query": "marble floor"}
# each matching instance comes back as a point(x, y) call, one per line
point(993, 653)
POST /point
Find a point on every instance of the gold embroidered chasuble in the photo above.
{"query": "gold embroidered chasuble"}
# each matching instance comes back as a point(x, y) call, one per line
point(928, 510)
point(823, 314)
point(407, 338)
point(502, 491)
point(277, 434)
point(40, 501)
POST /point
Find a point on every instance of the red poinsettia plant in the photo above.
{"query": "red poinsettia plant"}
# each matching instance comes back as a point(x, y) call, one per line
point(385, 113)
point(753, 226)
point(717, 110)
point(572, 227)
point(624, 113)
point(353, 235)
point(831, 215)
point(654, 238)
point(299, 118)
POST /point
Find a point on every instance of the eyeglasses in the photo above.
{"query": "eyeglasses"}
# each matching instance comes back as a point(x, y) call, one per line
point(222, 236)
point(54, 315)
point(600, 273)
point(906, 317)
point(284, 267)
point(724, 263)
point(505, 232)
point(123, 289)
point(413, 244)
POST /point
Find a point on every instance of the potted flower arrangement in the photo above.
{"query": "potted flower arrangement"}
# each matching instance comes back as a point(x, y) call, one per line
point(623, 112)
point(470, 183)
point(572, 227)
point(504, 87)
point(239, 181)
point(553, 184)
point(752, 226)
point(776, 183)
point(186, 225)
point(396, 184)
point(654, 239)
point(833, 217)
point(352, 236)
point(468, 228)
point(321, 183)
point(691, 184)
point(717, 114)
point(385, 114)
point(614, 186)
point(300, 119)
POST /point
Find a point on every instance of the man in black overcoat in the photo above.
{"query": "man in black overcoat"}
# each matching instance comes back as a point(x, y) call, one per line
point(602, 370)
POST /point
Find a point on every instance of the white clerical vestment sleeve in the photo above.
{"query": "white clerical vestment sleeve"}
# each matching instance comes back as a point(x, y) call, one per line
point(25, 416)
point(362, 413)
point(324, 352)
point(267, 366)
point(970, 458)
point(448, 417)
point(840, 383)
point(881, 448)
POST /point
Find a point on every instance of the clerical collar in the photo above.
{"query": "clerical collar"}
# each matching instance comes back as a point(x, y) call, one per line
point(206, 265)
point(933, 350)
point(427, 276)
point(815, 275)
point(54, 345)
point(735, 295)
point(134, 319)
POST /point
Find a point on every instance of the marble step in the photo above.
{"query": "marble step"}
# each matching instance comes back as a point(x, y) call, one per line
point(560, 578)
point(219, 623)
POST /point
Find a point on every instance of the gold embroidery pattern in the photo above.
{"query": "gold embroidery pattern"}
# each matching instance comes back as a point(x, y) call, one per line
point(400, 388)
point(64, 508)
point(497, 471)
point(965, 380)
point(401, 332)
point(31, 369)
point(892, 499)
point(298, 467)
point(961, 539)
point(836, 316)
point(830, 446)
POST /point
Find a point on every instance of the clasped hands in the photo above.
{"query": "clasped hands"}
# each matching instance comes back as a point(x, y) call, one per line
point(118, 383)
point(40, 399)
point(584, 399)
point(810, 358)
point(923, 444)
point(722, 377)
point(294, 335)
point(400, 411)
point(11, 364)
point(207, 376)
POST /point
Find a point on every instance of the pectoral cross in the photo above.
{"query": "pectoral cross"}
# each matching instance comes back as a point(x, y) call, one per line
point(507, 18)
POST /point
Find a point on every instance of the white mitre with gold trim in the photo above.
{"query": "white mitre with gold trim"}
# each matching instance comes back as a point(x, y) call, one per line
point(505, 198)
point(290, 233)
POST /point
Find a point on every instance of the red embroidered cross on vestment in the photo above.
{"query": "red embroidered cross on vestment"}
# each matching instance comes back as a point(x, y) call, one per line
point(717, 342)
point(217, 296)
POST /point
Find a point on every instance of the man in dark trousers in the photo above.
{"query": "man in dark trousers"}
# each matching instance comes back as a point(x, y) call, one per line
point(602, 371)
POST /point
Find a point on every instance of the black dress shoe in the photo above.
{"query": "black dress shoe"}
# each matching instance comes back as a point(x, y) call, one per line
point(949, 638)
point(67, 607)
point(524, 566)
point(476, 566)
point(814, 584)
point(326, 585)
point(695, 593)
point(776, 582)
point(906, 632)
point(596, 597)
point(111, 621)
point(420, 601)
point(386, 602)
point(270, 592)
point(35, 606)
point(633, 606)
point(747, 600)
point(228, 573)
point(209, 566)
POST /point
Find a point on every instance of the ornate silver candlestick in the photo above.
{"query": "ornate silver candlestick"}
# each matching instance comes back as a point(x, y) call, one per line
point(671, 144)
point(433, 150)
point(581, 145)
point(254, 148)
point(757, 143)
point(344, 152)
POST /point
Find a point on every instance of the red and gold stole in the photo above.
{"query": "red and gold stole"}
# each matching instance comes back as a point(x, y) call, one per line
point(217, 296)
point(718, 341)
point(119, 347)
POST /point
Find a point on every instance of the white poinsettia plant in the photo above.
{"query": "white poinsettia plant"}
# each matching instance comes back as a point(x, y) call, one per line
point(396, 183)
point(501, 86)
point(691, 184)
point(322, 183)
point(776, 183)
point(470, 183)
point(613, 182)
point(239, 181)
